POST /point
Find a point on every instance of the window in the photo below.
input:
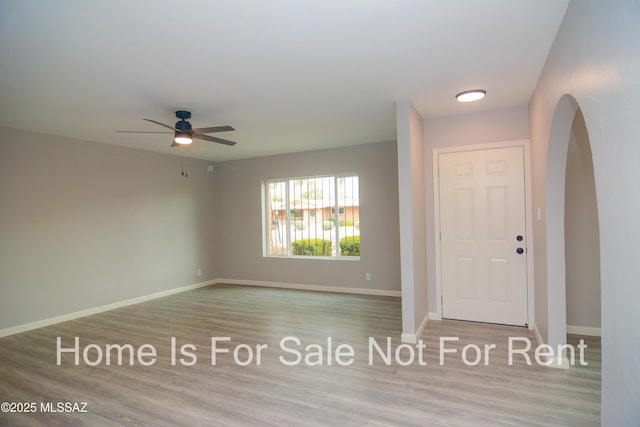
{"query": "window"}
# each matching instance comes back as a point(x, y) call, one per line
point(314, 216)
point(296, 213)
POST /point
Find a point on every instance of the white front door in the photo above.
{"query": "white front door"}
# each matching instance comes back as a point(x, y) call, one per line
point(482, 235)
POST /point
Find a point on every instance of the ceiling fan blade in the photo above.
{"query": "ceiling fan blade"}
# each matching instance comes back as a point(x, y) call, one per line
point(139, 131)
point(161, 124)
point(213, 129)
point(214, 139)
point(174, 144)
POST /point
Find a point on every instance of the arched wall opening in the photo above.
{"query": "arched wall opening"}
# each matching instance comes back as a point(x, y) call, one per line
point(582, 235)
point(568, 127)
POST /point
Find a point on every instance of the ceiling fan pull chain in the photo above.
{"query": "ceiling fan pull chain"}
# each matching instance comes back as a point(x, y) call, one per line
point(184, 173)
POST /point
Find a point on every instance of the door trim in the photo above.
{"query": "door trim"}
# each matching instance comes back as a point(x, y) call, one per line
point(524, 143)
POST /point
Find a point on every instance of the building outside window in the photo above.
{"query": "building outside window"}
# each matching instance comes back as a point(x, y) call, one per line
point(312, 217)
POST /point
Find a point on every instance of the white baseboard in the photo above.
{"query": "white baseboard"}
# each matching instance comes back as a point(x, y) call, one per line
point(308, 287)
point(408, 338)
point(434, 316)
point(558, 362)
point(537, 332)
point(95, 310)
point(583, 330)
point(413, 338)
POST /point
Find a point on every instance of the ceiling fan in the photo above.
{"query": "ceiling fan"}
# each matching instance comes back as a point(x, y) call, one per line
point(184, 133)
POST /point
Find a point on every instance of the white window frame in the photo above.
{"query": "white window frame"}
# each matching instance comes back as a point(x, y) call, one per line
point(266, 219)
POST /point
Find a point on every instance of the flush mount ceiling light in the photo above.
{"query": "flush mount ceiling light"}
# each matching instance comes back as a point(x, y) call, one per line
point(471, 95)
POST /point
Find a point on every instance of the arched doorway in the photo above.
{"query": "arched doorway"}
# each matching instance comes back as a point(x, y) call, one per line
point(568, 134)
point(582, 235)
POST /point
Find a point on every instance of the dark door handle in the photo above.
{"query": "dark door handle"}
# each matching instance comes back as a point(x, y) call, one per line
point(520, 251)
point(519, 238)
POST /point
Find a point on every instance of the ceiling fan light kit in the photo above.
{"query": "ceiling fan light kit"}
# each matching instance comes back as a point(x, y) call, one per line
point(182, 139)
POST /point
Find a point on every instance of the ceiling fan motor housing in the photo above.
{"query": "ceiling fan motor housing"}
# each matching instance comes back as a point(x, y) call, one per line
point(183, 115)
point(184, 127)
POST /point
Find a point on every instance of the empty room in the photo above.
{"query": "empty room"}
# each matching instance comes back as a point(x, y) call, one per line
point(388, 213)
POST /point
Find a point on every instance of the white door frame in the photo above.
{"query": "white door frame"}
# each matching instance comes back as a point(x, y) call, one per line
point(524, 143)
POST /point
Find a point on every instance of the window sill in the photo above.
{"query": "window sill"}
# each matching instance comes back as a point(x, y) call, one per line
point(322, 258)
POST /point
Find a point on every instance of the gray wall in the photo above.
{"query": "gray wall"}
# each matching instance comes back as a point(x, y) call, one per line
point(85, 224)
point(594, 59)
point(582, 240)
point(509, 124)
point(239, 224)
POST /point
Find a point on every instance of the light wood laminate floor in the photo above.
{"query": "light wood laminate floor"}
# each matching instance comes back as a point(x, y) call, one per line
point(377, 394)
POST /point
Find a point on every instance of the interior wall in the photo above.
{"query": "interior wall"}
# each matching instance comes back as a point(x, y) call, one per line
point(239, 234)
point(411, 187)
point(582, 234)
point(84, 225)
point(508, 124)
point(594, 59)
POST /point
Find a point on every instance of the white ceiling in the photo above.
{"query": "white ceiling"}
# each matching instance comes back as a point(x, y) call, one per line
point(289, 75)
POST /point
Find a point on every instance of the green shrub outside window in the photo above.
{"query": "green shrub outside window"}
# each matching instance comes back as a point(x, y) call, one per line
point(350, 246)
point(311, 247)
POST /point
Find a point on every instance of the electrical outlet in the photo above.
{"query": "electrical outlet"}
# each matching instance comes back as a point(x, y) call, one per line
point(199, 272)
point(368, 276)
